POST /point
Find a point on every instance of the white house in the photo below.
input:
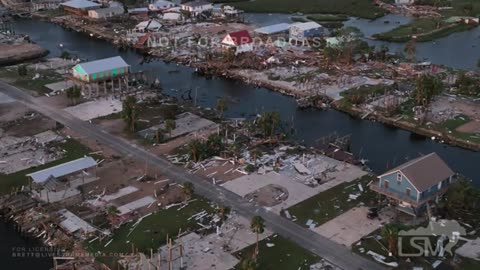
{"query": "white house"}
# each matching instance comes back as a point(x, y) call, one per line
point(160, 5)
point(300, 32)
point(172, 16)
point(151, 25)
point(103, 13)
point(404, 2)
point(196, 7)
point(240, 41)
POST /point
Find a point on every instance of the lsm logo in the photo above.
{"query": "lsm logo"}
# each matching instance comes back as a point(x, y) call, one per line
point(434, 240)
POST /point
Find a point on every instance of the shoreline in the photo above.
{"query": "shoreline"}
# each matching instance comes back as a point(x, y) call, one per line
point(235, 75)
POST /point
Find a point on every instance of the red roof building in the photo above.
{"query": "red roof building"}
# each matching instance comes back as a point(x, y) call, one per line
point(241, 41)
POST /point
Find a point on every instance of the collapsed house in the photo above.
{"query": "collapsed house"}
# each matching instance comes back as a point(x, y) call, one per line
point(239, 41)
point(61, 182)
point(300, 33)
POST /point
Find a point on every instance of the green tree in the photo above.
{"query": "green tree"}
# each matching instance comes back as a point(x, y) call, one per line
point(112, 211)
point(257, 225)
point(426, 87)
point(478, 63)
point(170, 125)
point(268, 123)
point(22, 70)
point(65, 55)
point(188, 189)
point(462, 195)
point(249, 264)
point(73, 93)
point(194, 149)
point(221, 106)
point(390, 234)
point(159, 135)
point(129, 112)
point(214, 145)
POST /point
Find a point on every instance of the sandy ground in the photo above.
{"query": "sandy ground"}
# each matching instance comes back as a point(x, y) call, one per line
point(168, 147)
point(95, 146)
point(10, 53)
point(297, 191)
point(222, 172)
point(470, 127)
point(95, 108)
point(28, 126)
point(443, 108)
point(58, 101)
point(351, 226)
point(10, 111)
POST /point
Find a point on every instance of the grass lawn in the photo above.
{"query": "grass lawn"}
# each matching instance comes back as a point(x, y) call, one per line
point(358, 8)
point(11, 75)
point(452, 124)
point(73, 150)
point(380, 246)
point(332, 202)
point(152, 232)
point(283, 255)
point(458, 8)
point(424, 28)
point(328, 17)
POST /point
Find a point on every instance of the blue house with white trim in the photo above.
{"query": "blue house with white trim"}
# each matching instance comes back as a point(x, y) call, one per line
point(412, 185)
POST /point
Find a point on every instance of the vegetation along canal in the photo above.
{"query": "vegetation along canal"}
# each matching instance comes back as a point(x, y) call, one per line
point(382, 146)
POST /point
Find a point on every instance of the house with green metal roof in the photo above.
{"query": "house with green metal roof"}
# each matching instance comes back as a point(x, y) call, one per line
point(101, 70)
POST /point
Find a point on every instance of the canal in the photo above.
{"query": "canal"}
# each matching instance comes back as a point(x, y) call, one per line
point(382, 146)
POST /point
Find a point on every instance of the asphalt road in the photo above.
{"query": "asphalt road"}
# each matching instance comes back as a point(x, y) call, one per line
point(317, 244)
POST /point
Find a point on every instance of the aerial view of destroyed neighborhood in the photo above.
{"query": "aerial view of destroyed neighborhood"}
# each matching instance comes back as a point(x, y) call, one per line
point(239, 134)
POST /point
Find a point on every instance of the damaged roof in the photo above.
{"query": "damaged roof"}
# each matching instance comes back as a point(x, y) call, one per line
point(273, 29)
point(241, 37)
point(80, 4)
point(424, 172)
point(63, 169)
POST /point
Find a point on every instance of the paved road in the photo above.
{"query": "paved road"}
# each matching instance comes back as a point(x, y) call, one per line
point(327, 249)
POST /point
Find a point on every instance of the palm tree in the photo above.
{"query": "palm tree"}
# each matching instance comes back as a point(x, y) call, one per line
point(158, 135)
point(129, 111)
point(194, 148)
point(249, 264)
point(188, 190)
point(257, 225)
point(390, 234)
point(170, 125)
point(221, 106)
